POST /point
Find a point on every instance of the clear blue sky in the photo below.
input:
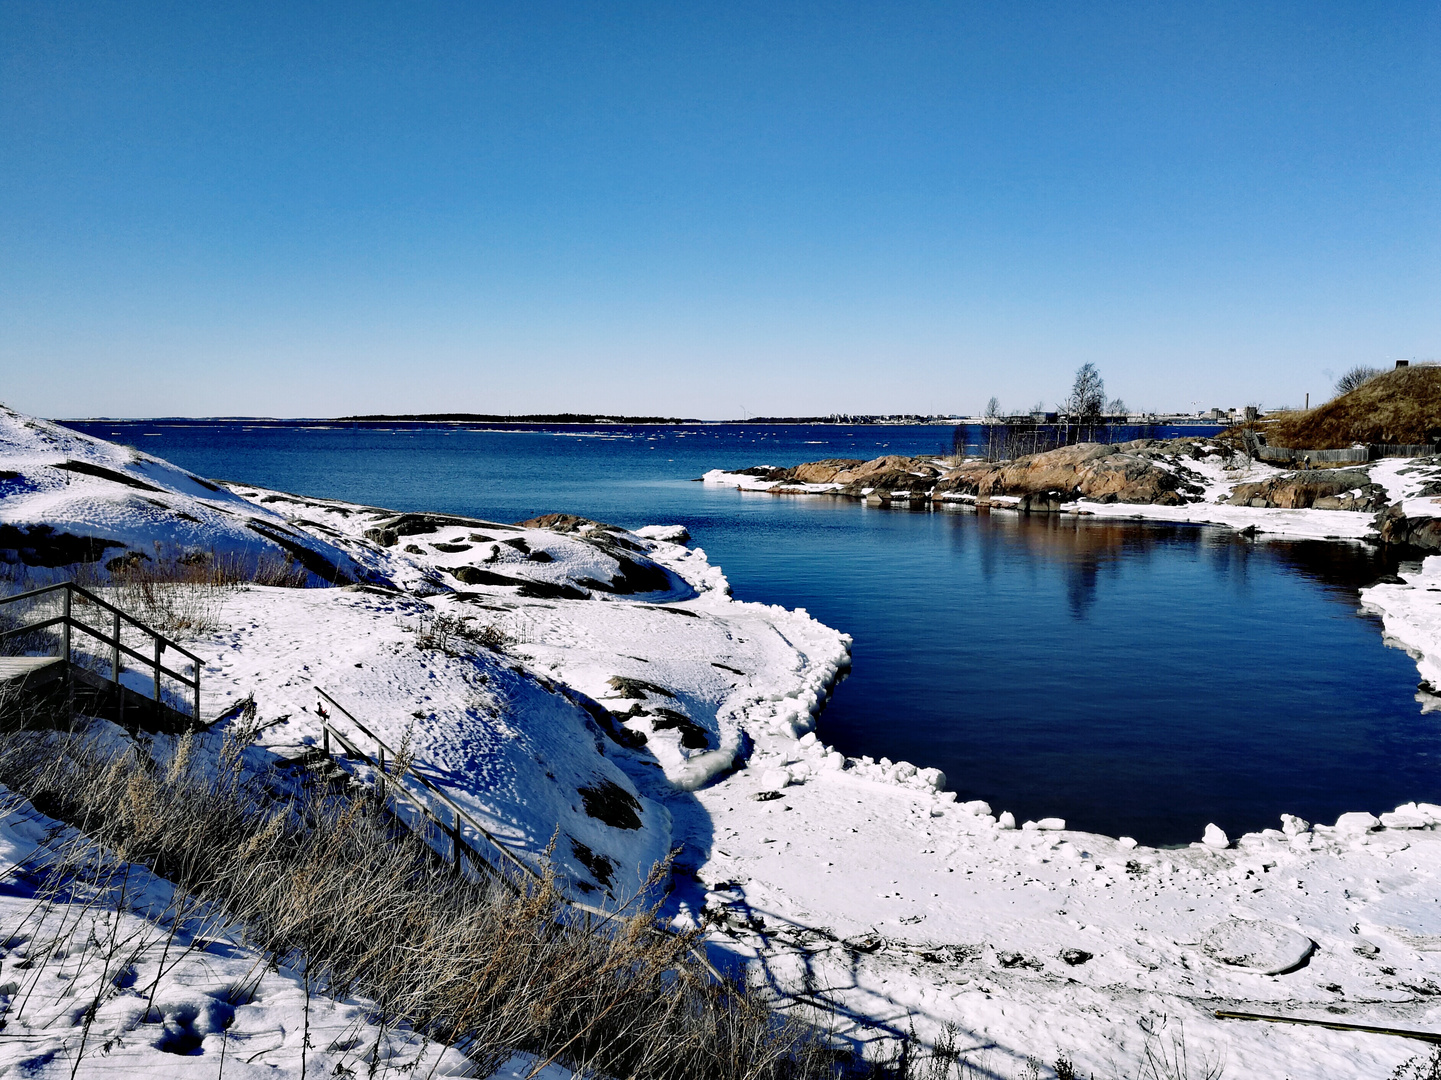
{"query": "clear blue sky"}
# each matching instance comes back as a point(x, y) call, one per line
point(313, 209)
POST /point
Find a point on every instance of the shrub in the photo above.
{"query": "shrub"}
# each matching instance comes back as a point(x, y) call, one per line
point(1356, 377)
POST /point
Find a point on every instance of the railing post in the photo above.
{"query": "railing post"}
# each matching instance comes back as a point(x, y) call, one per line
point(115, 652)
point(65, 627)
point(197, 694)
point(325, 737)
point(455, 838)
point(380, 756)
point(159, 649)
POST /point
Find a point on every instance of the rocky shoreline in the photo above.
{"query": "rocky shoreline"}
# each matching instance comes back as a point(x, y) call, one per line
point(1388, 501)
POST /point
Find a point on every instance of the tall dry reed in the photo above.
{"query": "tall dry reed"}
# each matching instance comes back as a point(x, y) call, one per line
point(329, 883)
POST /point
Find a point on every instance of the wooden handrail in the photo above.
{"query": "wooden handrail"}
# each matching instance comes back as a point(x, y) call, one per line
point(453, 831)
point(131, 619)
point(450, 803)
point(188, 680)
point(462, 815)
point(67, 622)
point(1333, 1025)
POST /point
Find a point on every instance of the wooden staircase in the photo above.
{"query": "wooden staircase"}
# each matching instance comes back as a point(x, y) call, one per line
point(52, 618)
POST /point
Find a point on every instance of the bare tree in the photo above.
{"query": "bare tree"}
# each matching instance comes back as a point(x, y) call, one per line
point(1088, 394)
point(993, 408)
point(1354, 378)
point(1117, 407)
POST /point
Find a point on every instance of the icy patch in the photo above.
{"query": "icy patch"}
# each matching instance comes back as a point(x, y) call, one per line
point(1262, 947)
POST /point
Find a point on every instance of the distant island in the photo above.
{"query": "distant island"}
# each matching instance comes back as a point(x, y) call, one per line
point(527, 418)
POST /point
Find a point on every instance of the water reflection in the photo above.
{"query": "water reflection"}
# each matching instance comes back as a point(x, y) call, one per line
point(1089, 550)
point(1134, 678)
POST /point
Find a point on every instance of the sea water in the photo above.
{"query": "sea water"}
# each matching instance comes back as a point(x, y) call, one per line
point(1136, 679)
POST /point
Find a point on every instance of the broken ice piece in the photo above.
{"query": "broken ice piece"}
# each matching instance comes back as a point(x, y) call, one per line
point(1291, 825)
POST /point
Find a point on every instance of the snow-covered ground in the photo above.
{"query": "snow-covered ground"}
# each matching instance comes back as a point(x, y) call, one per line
point(112, 974)
point(860, 885)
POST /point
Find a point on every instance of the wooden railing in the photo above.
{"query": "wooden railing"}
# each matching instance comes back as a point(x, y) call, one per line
point(68, 624)
point(461, 847)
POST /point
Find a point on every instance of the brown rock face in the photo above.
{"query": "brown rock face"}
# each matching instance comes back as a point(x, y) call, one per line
point(1089, 470)
point(1324, 489)
point(864, 472)
point(1397, 528)
point(822, 472)
point(893, 480)
point(1123, 473)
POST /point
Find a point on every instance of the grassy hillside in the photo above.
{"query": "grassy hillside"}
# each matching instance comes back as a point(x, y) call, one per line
point(1401, 406)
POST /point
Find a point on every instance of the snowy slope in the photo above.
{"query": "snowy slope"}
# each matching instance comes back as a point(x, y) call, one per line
point(68, 498)
point(162, 1006)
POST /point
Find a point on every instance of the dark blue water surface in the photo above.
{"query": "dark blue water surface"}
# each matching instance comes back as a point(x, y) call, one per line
point(1134, 679)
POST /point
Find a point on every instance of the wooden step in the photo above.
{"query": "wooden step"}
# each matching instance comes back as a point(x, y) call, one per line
point(28, 672)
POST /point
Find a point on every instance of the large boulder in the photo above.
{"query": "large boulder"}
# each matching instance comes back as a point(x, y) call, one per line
point(1084, 470)
point(1127, 478)
point(1396, 528)
point(1324, 489)
point(865, 472)
point(919, 481)
point(822, 472)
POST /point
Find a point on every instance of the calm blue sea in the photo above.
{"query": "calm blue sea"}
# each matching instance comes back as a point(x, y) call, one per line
point(1134, 679)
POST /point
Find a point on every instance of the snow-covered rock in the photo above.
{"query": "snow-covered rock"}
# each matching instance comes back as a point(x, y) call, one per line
point(1215, 837)
point(1357, 822)
point(1261, 946)
point(671, 534)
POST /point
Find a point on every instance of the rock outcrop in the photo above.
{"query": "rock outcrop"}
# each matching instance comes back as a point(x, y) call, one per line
point(1127, 473)
point(1396, 528)
point(1324, 489)
point(1144, 471)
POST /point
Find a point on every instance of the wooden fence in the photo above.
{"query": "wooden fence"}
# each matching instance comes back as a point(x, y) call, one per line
point(1356, 454)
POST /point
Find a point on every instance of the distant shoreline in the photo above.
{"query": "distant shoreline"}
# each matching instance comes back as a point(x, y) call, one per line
point(576, 420)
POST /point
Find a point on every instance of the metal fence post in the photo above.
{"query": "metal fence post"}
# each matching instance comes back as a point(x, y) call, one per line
point(115, 652)
point(65, 627)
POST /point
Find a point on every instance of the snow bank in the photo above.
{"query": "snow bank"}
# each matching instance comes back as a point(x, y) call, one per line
point(1410, 614)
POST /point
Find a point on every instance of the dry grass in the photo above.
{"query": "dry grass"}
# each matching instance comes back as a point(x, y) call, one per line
point(326, 883)
point(460, 635)
point(185, 592)
point(172, 592)
point(1400, 406)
